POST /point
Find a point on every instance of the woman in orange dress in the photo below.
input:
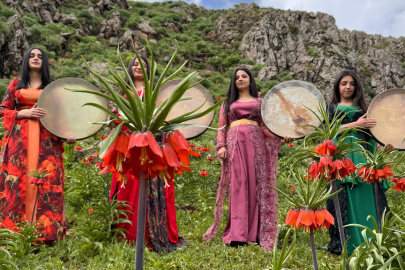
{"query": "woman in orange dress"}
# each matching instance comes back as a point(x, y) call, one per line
point(28, 146)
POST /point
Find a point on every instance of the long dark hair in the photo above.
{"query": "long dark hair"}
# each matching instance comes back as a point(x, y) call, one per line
point(358, 95)
point(25, 70)
point(233, 92)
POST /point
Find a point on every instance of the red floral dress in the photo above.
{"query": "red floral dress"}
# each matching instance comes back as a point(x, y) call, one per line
point(30, 146)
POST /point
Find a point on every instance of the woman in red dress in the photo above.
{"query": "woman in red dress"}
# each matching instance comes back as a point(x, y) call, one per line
point(28, 147)
point(161, 232)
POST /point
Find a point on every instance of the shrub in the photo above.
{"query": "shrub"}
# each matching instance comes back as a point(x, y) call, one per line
point(312, 51)
point(6, 11)
point(3, 86)
point(231, 60)
point(294, 29)
point(30, 19)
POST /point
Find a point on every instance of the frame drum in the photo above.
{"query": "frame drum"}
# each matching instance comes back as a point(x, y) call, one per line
point(199, 94)
point(283, 110)
point(388, 109)
point(65, 114)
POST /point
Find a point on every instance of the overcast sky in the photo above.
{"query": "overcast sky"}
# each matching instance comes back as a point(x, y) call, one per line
point(386, 17)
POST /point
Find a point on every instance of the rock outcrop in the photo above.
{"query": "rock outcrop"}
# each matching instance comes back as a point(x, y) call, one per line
point(313, 49)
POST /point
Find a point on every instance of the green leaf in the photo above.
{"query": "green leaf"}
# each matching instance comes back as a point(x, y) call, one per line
point(110, 140)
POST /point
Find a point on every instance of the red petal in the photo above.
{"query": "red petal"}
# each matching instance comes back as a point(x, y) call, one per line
point(180, 140)
point(122, 142)
point(153, 145)
point(319, 217)
point(138, 140)
point(171, 156)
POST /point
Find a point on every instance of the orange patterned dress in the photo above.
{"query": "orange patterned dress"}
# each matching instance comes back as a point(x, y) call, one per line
point(28, 146)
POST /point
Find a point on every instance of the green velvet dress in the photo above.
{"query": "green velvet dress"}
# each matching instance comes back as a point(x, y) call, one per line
point(360, 195)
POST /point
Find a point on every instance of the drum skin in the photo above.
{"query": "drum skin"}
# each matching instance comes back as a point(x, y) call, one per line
point(65, 114)
point(388, 109)
point(284, 109)
point(199, 95)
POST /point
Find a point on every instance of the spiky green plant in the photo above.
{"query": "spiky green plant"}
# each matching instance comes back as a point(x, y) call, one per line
point(137, 112)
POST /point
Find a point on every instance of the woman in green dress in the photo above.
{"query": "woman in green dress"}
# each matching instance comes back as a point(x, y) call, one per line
point(357, 197)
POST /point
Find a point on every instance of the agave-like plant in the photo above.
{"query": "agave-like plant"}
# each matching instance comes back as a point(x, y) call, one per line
point(137, 113)
point(141, 116)
point(385, 247)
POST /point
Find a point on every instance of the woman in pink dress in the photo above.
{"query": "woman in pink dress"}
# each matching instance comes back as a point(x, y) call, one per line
point(248, 151)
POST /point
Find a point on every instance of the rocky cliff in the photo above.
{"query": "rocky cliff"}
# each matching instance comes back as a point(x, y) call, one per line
point(311, 47)
point(298, 44)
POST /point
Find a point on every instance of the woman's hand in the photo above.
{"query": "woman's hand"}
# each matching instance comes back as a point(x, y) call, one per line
point(364, 122)
point(389, 147)
point(222, 153)
point(34, 112)
point(287, 139)
point(71, 140)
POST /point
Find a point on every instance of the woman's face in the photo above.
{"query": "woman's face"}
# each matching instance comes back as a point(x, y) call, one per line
point(347, 87)
point(137, 70)
point(35, 62)
point(242, 80)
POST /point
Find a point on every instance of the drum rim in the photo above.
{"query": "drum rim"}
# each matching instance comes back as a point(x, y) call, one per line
point(91, 87)
point(371, 132)
point(286, 82)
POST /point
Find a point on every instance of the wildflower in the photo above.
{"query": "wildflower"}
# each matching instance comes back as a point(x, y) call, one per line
point(63, 69)
point(191, 145)
point(292, 188)
point(350, 167)
point(323, 218)
point(95, 154)
point(218, 98)
point(122, 57)
point(314, 170)
point(91, 211)
point(203, 173)
point(87, 163)
point(62, 61)
point(101, 137)
point(180, 145)
point(399, 184)
point(217, 82)
point(119, 64)
point(198, 148)
point(82, 160)
point(367, 174)
point(115, 158)
point(290, 145)
point(92, 47)
point(205, 149)
point(210, 159)
point(90, 159)
point(100, 165)
point(291, 218)
point(306, 219)
point(326, 148)
point(142, 149)
point(262, 93)
point(38, 182)
point(326, 166)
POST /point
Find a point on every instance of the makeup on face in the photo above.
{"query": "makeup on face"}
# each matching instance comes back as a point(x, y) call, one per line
point(35, 61)
point(347, 87)
point(242, 79)
point(137, 69)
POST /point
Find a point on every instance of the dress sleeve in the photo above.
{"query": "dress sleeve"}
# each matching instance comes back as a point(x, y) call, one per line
point(7, 108)
point(223, 128)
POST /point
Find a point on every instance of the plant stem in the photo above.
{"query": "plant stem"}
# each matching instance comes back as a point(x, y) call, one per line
point(376, 204)
point(140, 233)
point(35, 204)
point(311, 239)
point(339, 220)
point(106, 187)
